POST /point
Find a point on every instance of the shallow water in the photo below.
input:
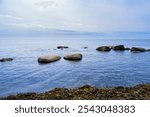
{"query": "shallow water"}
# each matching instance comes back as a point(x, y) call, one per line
point(99, 69)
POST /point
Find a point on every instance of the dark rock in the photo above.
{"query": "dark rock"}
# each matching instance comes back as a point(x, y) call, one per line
point(119, 48)
point(136, 49)
point(62, 47)
point(140, 92)
point(127, 48)
point(104, 48)
point(49, 59)
point(111, 47)
point(73, 57)
point(148, 50)
point(85, 47)
point(6, 59)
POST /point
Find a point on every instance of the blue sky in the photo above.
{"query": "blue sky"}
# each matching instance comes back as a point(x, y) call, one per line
point(54, 16)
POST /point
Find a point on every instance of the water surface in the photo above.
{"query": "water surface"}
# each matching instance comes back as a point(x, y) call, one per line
point(99, 69)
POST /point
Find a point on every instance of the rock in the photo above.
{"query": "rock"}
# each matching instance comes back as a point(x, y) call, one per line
point(104, 48)
point(119, 48)
point(111, 47)
point(148, 50)
point(49, 59)
point(62, 47)
point(6, 59)
point(85, 47)
point(127, 48)
point(73, 57)
point(136, 49)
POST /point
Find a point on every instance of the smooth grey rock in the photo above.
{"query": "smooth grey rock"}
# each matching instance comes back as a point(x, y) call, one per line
point(104, 48)
point(49, 59)
point(73, 57)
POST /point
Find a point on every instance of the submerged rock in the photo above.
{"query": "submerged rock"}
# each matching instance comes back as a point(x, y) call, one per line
point(62, 47)
point(119, 48)
point(104, 48)
point(127, 48)
point(137, 49)
point(49, 59)
point(85, 47)
point(73, 57)
point(6, 59)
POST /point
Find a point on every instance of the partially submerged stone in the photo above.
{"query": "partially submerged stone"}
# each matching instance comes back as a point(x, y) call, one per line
point(85, 47)
point(119, 48)
point(127, 48)
point(73, 57)
point(137, 49)
point(49, 59)
point(62, 47)
point(6, 59)
point(104, 48)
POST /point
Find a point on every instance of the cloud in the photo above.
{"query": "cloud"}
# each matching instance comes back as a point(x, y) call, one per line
point(79, 15)
point(10, 17)
point(46, 4)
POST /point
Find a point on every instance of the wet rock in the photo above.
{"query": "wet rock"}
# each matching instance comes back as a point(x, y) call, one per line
point(148, 50)
point(137, 49)
point(73, 57)
point(85, 47)
point(127, 48)
point(6, 59)
point(140, 92)
point(104, 48)
point(119, 48)
point(62, 47)
point(49, 59)
point(111, 47)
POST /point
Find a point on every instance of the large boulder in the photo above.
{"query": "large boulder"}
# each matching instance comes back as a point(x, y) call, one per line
point(62, 47)
point(49, 59)
point(119, 48)
point(104, 48)
point(73, 57)
point(137, 49)
point(6, 59)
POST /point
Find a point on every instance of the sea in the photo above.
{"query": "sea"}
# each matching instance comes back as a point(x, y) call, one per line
point(98, 69)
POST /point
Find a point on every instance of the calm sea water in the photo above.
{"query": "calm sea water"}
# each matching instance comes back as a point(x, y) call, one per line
point(99, 69)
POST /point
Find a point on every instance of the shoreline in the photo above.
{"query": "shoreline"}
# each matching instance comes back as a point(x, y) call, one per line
point(139, 92)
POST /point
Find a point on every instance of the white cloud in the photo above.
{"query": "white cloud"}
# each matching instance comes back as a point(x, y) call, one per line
point(10, 17)
point(46, 4)
point(79, 15)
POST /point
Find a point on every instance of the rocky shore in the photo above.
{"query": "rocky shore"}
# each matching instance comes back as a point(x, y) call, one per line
point(140, 92)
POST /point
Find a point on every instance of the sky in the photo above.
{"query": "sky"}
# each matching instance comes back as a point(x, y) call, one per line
point(75, 16)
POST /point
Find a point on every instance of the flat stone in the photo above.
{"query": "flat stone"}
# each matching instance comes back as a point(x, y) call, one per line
point(104, 48)
point(73, 57)
point(62, 47)
point(49, 59)
point(137, 49)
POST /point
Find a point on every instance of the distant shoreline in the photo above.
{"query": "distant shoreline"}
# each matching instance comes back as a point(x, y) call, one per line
point(139, 92)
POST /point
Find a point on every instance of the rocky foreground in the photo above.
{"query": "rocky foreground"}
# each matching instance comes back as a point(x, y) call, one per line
point(140, 92)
